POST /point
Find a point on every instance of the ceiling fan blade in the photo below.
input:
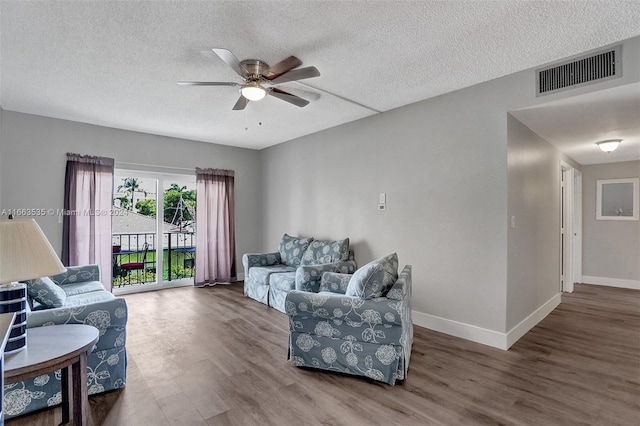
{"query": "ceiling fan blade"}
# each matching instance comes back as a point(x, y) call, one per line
point(288, 97)
point(306, 94)
point(297, 74)
point(241, 104)
point(207, 83)
point(282, 67)
point(231, 60)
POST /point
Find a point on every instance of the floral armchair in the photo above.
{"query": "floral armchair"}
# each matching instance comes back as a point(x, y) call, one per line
point(298, 264)
point(74, 297)
point(356, 324)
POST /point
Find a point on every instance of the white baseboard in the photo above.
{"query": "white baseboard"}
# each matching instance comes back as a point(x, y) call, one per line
point(532, 320)
point(460, 329)
point(611, 282)
point(485, 336)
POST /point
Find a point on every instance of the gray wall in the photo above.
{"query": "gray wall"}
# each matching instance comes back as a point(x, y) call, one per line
point(533, 248)
point(32, 166)
point(1, 112)
point(443, 164)
point(611, 249)
point(446, 198)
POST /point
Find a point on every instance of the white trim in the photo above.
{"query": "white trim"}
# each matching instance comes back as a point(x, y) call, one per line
point(532, 320)
point(611, 282)
point(483, 335)
point(566, 225)
point(460, 329)
point(147, 167)
point(636, 199)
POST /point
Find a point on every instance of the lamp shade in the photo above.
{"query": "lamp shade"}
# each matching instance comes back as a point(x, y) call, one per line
point(25, 252)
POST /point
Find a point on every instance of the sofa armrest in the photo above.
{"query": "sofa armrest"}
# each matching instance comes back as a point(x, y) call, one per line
point(77, 274)
point(259, 259)
point(334, 282)
point(353, 310)
point(109, 317)
point(308, 277)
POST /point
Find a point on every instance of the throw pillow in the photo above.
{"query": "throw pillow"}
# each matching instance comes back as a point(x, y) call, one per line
point(320, 252)
point(292, 249)
point(46, 292)
point(375, 278)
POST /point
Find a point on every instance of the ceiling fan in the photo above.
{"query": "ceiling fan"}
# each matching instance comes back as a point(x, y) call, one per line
point(259, 79)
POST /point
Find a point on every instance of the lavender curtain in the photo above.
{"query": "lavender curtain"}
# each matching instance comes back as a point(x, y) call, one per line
point(88, 197)
point(215, 227)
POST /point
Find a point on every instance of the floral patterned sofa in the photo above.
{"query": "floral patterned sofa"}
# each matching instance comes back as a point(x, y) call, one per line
point(356, 324)
point(74, 297)
point(298, 264)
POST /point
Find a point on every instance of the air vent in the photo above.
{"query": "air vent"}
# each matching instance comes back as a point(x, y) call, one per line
point(579, 72)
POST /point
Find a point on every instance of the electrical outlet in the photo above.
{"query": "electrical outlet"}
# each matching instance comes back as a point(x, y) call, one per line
point(382, 207)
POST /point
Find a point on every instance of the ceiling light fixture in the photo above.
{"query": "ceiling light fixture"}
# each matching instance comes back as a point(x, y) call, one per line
point(253, 91)
point(609, 145)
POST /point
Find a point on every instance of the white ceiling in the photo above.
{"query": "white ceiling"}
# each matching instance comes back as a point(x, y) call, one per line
point(575, 124)
point(116, 63)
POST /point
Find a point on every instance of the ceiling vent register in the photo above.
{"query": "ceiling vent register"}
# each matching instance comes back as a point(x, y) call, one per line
point(583, 71)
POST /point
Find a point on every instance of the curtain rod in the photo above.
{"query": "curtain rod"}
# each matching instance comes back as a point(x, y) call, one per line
point(123, 163)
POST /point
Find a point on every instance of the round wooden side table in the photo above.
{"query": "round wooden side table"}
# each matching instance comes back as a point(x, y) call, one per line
point(52, 348)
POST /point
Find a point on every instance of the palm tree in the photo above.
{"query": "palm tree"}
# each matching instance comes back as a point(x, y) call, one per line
point(131, 185)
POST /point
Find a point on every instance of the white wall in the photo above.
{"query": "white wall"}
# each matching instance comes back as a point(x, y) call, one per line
point(534, 256)
point(611, 249)
point(33, 159)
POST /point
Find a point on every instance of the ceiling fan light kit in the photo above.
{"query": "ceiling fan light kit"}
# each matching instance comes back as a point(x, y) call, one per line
point(260, 80)
point(253, 91)
point(609, 145)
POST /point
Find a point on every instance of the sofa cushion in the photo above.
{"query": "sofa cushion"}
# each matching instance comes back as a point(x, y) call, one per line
point(260, 274)
point(375, 278)
point(292, 248)
point(285, 281)
point(320, 252)
point(46, 292)
point(82, 287)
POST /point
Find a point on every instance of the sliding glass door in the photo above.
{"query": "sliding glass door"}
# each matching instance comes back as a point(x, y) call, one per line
point(151, 250)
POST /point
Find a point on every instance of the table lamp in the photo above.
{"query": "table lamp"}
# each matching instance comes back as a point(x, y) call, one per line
point(25, 254)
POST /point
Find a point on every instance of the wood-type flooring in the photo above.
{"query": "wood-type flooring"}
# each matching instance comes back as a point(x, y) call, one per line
point(210, 356)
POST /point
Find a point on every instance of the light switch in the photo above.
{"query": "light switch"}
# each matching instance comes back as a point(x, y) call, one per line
point(383, 198)
point(513, 221)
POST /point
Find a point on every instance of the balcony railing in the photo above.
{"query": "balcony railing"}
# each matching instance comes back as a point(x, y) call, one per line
point(132, 264)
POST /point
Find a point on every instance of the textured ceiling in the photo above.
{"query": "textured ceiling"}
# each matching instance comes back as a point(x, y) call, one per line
point(116, 63)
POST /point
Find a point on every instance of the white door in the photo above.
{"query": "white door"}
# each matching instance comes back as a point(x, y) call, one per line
point(566, 227)
point(577, 227)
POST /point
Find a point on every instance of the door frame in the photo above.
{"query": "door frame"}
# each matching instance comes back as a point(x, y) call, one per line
point(570, 227)
point(160, 178)
point(577, 227)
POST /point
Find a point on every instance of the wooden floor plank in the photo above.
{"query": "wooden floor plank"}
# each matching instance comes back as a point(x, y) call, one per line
point(210, 356)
